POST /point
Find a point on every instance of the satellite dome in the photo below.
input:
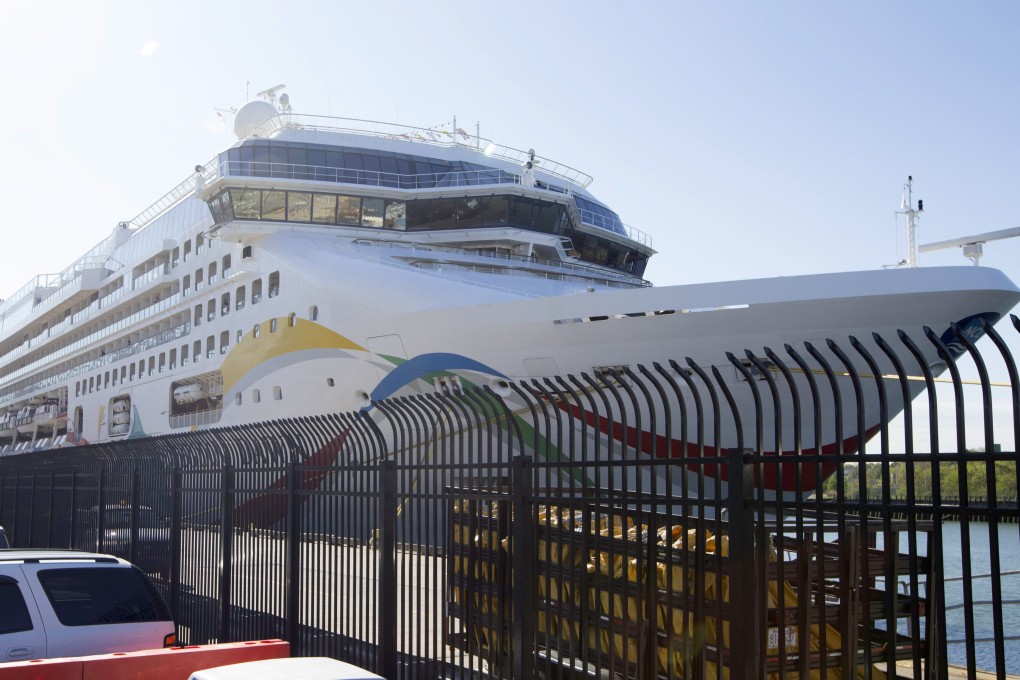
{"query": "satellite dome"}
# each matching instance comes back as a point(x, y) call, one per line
point(251, 115)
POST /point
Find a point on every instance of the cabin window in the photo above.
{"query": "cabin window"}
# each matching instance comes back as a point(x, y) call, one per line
point(272, 326)
point(106, 379)
point(123, 373)
point(186, 284)
point(198, 315)
point(240, 334)
point(255, 396)
point(225, 304)
point(274, 284)
point(246, 252)
point(184, 355)
point(256, 291)
point(255, 331)
point(199, 243)
point(237, 398)
point(187, 250)
point(210, 346)
point(225, 265)
point(292, 320)
point(210, 307)
point(313, 313)
point(239, 297)
point(113, 378)
point(162, 361)
point(152, 365)
point(329, 382)
point(77, 388)
point(131, 372)
point(198, 279)
point(173, 358)
point(277, 393)
point(224, 342)
point(175, 256)
point(212, 273)
point(141, 368)
point(274, 205)
point(91, 384)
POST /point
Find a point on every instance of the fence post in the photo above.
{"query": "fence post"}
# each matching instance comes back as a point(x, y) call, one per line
point(387, 661)
point(744, 638)
point(523, 539)
point(293, 566)
point(72, 540)
point(226, 550)
point(101, 514)
point(136, 483)
point(176, 529)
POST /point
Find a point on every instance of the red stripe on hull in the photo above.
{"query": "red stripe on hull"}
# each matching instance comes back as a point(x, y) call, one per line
point(662, 447)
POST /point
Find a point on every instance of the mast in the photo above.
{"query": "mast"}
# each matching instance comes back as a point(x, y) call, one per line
point(907, 208)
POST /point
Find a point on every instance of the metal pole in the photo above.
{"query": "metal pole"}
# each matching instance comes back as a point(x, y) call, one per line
point(292, 570)
point(743, 641)
point(523, 542)
point(176, 520)
point(226, 550)
point(387, 662)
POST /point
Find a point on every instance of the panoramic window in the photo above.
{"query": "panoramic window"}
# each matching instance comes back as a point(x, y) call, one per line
point(299, 206)
point(324, 208)
point(274, 205)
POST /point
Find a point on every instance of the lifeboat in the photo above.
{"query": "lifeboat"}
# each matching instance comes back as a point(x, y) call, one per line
point(119, 428)
point(122, 418)
point(25, 421)
point(121, 405)
point(189, 394)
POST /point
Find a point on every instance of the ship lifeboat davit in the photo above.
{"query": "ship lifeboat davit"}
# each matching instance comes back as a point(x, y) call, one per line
point(189, 394)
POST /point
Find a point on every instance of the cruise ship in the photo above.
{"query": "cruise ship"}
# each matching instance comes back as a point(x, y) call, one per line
point(320, 264)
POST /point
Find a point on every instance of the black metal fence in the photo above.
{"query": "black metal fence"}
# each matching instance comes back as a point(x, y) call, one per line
point(633, 523)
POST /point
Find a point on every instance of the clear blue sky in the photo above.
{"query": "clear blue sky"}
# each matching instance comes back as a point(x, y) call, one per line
point(749, 139)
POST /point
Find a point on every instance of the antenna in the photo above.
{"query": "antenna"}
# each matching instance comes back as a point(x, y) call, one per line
point(907, 208)
point(972, 245)
point(270, 94)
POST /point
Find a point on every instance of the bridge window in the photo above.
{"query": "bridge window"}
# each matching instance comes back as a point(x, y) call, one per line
point(299, 206)
point(323, 209)
point(245, 203)
point(348, 210)
point(372, 212)
point(274, 205)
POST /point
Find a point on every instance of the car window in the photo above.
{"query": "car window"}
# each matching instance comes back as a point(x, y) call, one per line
point(14, 616)
point(90, 596)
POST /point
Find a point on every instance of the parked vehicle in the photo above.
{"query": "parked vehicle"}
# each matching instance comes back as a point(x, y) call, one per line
point(57, 603)
point(111, 534)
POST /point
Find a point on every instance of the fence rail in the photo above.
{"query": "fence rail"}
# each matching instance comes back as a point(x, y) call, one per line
point(580, 526)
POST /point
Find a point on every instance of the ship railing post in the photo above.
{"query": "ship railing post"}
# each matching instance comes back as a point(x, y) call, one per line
point(388, 587)
point(293, 568)
point(174, 572)
point(522, 546)
point(744, 638)
point(226, 550)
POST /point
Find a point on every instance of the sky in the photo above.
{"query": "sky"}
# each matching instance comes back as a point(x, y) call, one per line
point(747, 139)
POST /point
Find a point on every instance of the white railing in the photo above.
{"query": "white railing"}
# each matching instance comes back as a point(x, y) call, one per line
point(443, 138)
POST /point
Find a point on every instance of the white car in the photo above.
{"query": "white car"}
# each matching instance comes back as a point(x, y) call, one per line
point(56, 603)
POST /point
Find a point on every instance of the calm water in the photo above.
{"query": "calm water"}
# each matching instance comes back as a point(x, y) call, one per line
point(980, 563)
